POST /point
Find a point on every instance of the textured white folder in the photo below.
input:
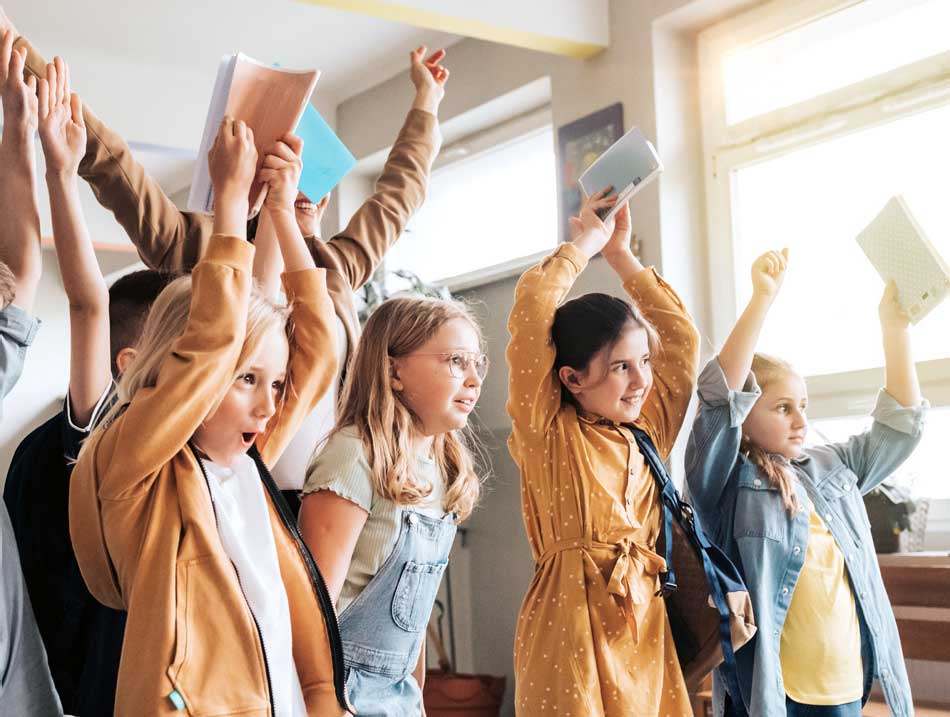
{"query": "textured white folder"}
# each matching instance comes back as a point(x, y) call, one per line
point(899, 250)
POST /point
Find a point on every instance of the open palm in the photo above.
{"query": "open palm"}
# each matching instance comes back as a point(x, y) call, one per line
point(62, 129)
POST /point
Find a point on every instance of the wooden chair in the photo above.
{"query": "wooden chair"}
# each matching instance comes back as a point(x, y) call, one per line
point(918, 585)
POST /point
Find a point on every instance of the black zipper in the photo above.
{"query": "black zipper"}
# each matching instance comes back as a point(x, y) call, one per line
point(316, 580)
point(260, 636)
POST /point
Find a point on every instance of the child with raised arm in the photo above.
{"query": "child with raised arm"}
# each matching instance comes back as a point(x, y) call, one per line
point(382, 499)
point(172, 240)
point(593, 637)
point(173, 513)
point(794, 521)
point(25, 684)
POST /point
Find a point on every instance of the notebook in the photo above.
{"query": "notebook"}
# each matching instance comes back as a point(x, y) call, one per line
point(326, 160)
point(271, 100)
point(629, 164)
point(899, 250)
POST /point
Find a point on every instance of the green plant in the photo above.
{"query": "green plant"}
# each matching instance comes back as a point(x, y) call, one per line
point(889, 510)
point(377, 290)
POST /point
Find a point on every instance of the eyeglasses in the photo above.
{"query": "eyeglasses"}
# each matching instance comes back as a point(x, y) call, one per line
point(459, 361)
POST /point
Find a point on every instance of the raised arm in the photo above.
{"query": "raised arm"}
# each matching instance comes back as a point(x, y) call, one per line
point(534, 390)
point(165, 237)
point(358, 250)
point(674, 366)
point(63, 135)
point(201, 363)
point(899, 412)
point(313, 360)
point(19, 215)
point(901, 373)
point(735, 358)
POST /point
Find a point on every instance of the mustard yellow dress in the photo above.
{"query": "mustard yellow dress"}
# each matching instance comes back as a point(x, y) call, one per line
point(592, 638)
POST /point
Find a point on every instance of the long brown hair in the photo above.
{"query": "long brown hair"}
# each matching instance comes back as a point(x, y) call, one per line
point(386, 424)
point(767, 369)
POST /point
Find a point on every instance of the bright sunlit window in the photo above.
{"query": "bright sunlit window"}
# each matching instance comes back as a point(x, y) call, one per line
point(815, 201)
point(926, 473)
point(815, 114)
point(839, 49)
point(485, 210)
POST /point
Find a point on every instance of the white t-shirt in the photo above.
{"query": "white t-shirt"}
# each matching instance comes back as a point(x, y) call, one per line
point(291, 468)
point(245, 530)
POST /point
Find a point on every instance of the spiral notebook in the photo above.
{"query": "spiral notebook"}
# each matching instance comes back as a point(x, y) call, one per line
point(899, 250)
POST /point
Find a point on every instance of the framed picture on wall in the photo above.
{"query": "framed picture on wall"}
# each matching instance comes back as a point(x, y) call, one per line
point(579, 143)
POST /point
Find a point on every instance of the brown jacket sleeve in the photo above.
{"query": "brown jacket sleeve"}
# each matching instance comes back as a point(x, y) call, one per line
point(313, 358)
point(358, 250)
point(166, 238)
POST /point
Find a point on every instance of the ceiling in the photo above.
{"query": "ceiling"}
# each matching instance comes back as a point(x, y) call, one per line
point(354, 51)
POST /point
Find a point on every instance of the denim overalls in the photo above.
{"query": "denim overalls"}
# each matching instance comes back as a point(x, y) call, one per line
point(384, 627)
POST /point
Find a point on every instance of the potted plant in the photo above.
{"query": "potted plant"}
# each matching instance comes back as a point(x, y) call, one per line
point(889, 510)
point(378, 289)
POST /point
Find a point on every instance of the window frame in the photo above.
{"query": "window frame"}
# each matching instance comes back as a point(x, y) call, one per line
point(877, 100)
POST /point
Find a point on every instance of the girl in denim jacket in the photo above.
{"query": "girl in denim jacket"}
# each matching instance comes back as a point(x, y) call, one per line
point(793, 519)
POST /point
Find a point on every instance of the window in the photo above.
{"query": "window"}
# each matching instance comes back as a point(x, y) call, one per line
point(815, 113)
point(484, 208)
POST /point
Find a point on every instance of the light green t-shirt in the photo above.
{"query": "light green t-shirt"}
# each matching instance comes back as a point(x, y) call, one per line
point(342, 467)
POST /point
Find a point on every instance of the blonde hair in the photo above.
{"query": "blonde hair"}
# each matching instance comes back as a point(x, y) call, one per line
point(386, 424)
point(766, 370)
point(166, 323)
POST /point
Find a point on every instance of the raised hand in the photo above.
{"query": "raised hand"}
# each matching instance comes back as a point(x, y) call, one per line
point(281, 173)
point(232, 163)
point(619, 242)
point(589, 233)
point(18, 97)
point(62, 129)
point(889, 310)
point(768, 273)
point(429, 77)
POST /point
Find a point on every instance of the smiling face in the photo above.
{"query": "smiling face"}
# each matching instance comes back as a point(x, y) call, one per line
point(438, 382)
point(777, 422)
point(616, 381)
point(249, 404)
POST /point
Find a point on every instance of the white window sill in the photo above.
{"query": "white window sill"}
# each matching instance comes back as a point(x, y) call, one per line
point(491, 274)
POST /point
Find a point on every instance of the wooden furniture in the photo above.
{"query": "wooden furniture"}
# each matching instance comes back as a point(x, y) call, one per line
point(918, 585)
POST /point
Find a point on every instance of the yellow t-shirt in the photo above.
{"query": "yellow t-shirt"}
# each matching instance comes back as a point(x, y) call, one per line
point(821, 640)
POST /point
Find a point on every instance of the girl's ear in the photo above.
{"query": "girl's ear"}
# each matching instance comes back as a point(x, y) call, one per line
point(395, 383)
point(571, 378)
point(124, 358)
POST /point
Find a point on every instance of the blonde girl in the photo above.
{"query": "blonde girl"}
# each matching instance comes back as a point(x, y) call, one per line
point(593, 638)
point(382, 499)
point(173, 514)
point(793, 519)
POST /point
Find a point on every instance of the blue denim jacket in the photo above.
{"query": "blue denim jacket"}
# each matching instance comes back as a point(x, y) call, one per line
point(746, 517)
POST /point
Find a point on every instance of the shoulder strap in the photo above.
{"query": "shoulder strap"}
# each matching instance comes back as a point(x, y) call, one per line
point(676, 508)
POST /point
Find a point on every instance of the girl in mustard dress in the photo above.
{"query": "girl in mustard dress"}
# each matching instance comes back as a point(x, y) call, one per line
point(593, 637)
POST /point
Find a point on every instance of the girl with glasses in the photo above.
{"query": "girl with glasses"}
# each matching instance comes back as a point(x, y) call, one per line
point(382, 499)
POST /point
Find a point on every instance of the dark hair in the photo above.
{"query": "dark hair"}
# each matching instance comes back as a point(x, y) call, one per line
point(7, 285)
point(588, 324)
point(130, 298)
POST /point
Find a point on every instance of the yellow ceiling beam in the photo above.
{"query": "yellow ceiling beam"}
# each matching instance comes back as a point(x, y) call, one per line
point(468, 27)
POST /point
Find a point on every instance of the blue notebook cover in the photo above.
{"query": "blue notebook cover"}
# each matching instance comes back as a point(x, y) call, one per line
point(326, 160)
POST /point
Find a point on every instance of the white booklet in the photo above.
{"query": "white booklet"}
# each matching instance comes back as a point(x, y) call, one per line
point(628, 165)
point(271, 100)
point(899, 250)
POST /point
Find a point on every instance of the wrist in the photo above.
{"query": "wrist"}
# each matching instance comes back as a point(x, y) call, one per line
point(17, 137)
point(427, 100)
point(61, 176)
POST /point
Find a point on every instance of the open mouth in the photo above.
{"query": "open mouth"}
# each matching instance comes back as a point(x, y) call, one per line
point(247, 439)
point(305, 207)
point(467, 403)
point(632, 400)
